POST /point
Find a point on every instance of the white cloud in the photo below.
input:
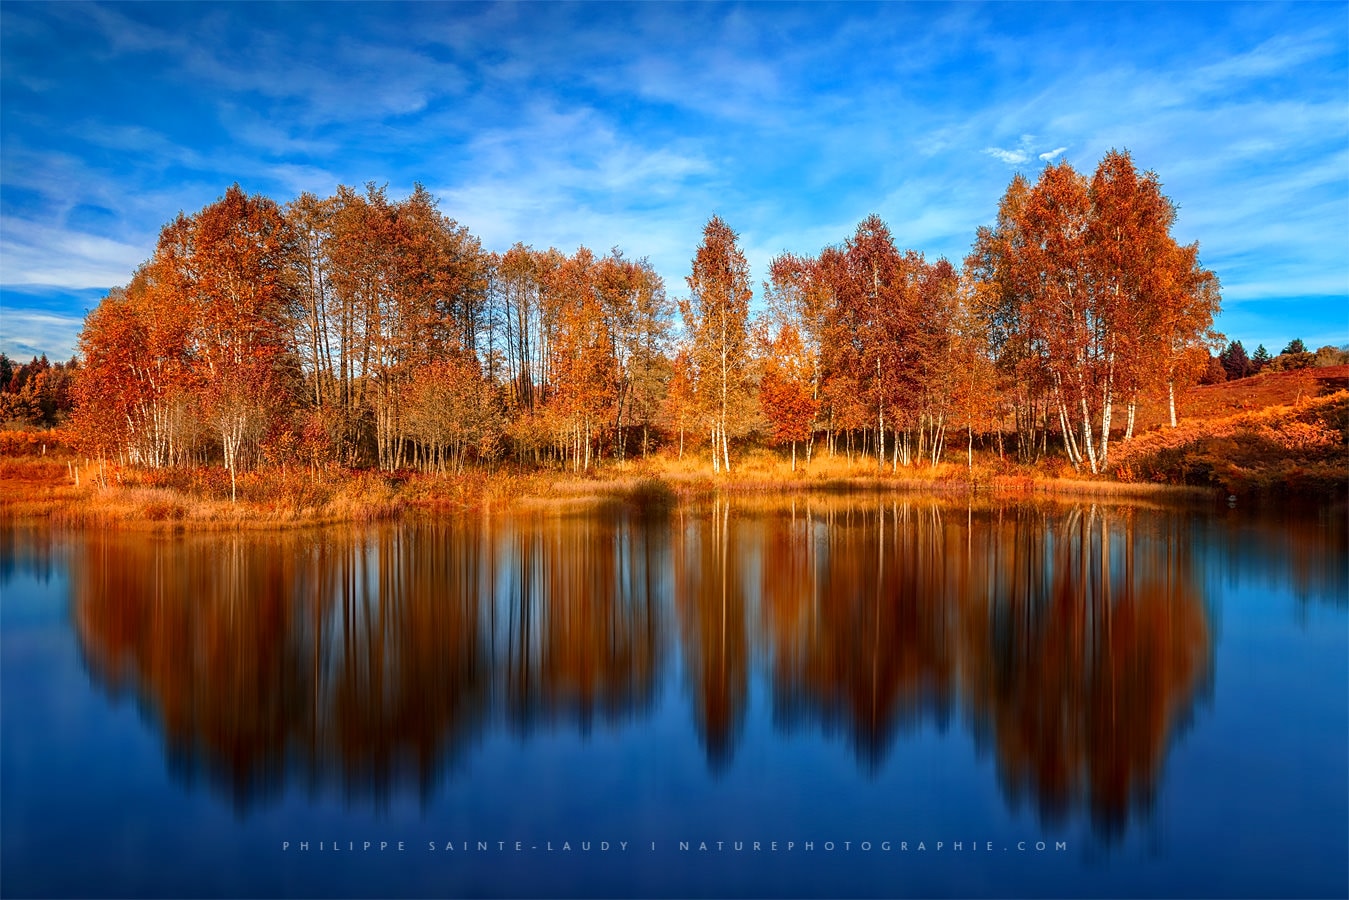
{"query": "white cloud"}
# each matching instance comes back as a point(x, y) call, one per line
point(1026, 146)
point(1276, 56)
point(567, 177)
point(34, 254)
point(27, 333)
point(1295, 285)
point(1011, 157)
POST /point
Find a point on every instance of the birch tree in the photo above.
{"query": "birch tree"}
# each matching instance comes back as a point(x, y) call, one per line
point(716, 316)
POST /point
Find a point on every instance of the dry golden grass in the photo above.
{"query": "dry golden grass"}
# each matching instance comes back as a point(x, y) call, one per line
point(766, 472)
point(1213, 401)
point(35, 487)
point(81, 493)
point(199, 499)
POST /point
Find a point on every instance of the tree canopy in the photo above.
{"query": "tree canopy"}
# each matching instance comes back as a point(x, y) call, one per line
point(362, 330)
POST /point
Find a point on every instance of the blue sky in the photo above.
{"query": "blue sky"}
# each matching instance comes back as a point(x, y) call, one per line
point(629, 125)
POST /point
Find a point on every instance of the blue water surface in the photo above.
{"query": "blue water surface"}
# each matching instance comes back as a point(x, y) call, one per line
point(890, 696)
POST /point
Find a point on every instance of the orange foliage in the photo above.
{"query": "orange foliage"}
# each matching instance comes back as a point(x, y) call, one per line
point(1302, 448)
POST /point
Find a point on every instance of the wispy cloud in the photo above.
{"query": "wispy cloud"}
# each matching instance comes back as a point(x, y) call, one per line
point(566, 177)
point(1027, 149)
point(630, 124)
point(28, 333)
point(1011, 157)
point(37, 254)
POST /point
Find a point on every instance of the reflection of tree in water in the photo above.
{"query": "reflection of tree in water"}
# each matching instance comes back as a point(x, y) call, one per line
point(362, 663)
point(1077, 647)
point(859, 634)
point(578, 633)
point(1081, 683)
point(323, 660)
point(710, 600)
point(1285, 550)
point(1074, 640)
point(401, 667)
point(27, 550)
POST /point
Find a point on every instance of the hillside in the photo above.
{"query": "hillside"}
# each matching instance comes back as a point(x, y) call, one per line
point(1281, 433)
point(1211, 401)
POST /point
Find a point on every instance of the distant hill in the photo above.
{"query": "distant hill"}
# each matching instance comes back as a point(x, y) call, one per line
point(1216, 401)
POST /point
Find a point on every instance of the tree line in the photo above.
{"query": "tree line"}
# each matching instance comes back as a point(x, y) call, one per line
point(364, 331)
point(1233, 363)
point(36, 393)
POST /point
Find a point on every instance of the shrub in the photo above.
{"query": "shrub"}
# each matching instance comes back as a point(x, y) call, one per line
point(1290, 449)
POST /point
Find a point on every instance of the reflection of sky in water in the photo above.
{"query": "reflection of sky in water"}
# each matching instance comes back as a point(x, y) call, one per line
point(1154, 687)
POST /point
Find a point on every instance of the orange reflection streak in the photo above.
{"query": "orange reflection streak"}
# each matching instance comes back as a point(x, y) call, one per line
point(1081, 686)
point(584, 630)
point(1072, 640)
point(363, 661)
point(710, 601)
point(874, 652)
point(1075, 641)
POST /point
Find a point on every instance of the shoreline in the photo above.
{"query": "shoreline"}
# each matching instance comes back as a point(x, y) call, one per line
point(1279, 453)
point(138, 500)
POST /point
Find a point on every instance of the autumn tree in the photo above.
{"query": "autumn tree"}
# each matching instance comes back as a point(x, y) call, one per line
point(37, 393)
point(632, 302)
point(136, 395)
point(1081, 282)
point(844, 387)
point(317, 335)
point(515, 294)
point(940, 346)
point(716, 315)
point(355, 248)
point(875, 306)
point(976, 399)
point(648, 368)
point(1214, 373)
point(236, 278)
point(785, 393)
point(581, 366)
point(1054, 271)
point(875, 326)
point(1157, 302)
point(1184, 326)
point(1000, 301)
point(885, 324)
point(1293, 356)
point(410, 284)
point(797, 299)
point(448, 411)
point(680, 407)
point(201, 335)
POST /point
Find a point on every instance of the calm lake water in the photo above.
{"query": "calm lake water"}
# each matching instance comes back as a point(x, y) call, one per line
point(891, 696)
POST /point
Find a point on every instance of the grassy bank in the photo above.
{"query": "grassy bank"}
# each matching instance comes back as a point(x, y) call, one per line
point(80, 493)
point(1292, 443)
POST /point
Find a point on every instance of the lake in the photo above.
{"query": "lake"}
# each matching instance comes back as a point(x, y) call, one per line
point(828, 696)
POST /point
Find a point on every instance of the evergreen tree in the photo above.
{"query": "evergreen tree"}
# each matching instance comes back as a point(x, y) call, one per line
point(1235, 361)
